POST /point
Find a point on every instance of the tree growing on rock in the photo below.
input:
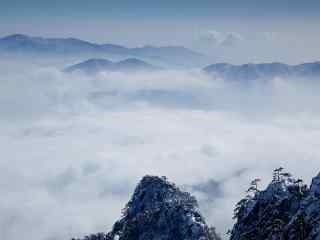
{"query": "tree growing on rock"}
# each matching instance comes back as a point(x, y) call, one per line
point(277, 174)
point(251, 191)
point(254, 186)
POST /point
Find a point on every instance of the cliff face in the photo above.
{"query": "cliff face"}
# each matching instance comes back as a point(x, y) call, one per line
point(286, 210)
point(308, 216)
point(158, 210)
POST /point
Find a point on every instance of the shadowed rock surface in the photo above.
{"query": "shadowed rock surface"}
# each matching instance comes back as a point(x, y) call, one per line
point(158, 210)
point(285, 210)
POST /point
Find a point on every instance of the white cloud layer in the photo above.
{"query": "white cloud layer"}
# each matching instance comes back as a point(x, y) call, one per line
point(73, 147)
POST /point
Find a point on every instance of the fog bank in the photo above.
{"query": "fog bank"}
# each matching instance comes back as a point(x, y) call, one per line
point(74, 146)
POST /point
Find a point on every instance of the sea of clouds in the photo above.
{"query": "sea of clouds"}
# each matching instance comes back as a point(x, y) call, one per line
point(74, 146)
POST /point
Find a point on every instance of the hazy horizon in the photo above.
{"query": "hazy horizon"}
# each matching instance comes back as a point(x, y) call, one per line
point(228, 31)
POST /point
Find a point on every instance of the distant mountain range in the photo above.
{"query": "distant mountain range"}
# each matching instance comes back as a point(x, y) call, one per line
point(245, 72)
point(250, 72)
point(23, 44)
point(93, 66)
point(167, 56)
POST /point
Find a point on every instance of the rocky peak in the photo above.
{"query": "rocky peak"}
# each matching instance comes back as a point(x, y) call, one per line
point(286, 209)
point(274, 190)
point(315, 185)
point(159, 210)
point(152, 193)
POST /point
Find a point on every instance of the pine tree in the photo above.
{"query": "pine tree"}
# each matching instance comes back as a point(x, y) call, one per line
point(301, 226)
point(239, 207)
point(277, 174)
point(299, 183)
point(253, 189)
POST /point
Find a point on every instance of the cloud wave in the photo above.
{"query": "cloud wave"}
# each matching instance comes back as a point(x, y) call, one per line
point(73, 147)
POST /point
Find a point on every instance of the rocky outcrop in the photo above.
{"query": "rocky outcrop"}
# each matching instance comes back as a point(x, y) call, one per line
point(158, 210)
point(306, 222)
point(285, 210)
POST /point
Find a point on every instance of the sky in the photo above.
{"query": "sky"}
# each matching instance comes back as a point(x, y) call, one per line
point(228, 31)
point(165, 8)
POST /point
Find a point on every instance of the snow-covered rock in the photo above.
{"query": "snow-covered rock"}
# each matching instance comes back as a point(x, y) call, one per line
point(284, 210)
point(158, 210)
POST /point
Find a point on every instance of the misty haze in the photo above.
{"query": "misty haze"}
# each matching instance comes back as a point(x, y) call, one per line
point(122, 125)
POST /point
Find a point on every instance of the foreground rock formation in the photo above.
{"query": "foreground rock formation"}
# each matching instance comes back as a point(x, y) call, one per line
point(158, 210)
point(286, 210)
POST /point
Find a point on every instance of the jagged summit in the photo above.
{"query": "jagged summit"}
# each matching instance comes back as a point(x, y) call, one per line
point(160, 210)
point(315, 185)
point(154, 192)
point(287, 209)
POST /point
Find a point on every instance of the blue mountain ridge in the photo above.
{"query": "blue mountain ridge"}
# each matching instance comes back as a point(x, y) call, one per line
point(250, 71)
point(24, 45)
point(93, 66)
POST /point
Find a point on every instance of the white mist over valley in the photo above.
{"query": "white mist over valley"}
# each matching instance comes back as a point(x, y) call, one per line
point(74, 145)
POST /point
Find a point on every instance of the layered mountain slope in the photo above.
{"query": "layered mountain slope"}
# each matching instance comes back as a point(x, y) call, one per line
point(25, 45)
point(100, 65)
point(286, 210)
point(19, 43)
point(248, 72)
point(159, 210)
